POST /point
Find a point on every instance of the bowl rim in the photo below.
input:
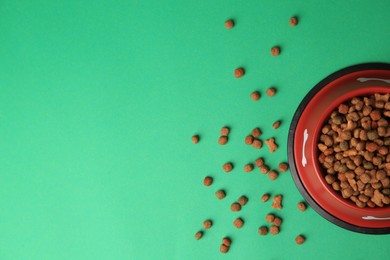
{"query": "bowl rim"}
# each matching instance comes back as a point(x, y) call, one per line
point(290, 146)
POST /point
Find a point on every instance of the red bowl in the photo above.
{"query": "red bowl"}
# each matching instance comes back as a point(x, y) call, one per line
point(314, 110)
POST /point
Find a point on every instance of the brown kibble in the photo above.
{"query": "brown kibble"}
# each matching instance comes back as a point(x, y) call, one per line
point(239, 72)
point(275, 51)
point(255, 95)
point(371, 147)
point(264, 169)
point(224, 248)
point(301, 206)
point(229, 24)
point(249, 140)
point(198, 235)
point(277, 221)
point(256, 132)
point(207, 181)
point(300, 240)
point(195, 139)
point(259, 162)
point(273, 175)
point(265, 197)
point(375, 115)
point(227, 167)
point(235, 207)
point(271, 144)
point(276, 124)
point(269, 218)
point(248, 167)
point(225, 131)
point(271, 92)
point(226, 241)
point(263, 231)
point(242, 200)
point(238, 222)
point(277, 202)
point(274, 230)
point(293, 21)
point(257, 144)
point(222, 140)
point(220, 194)
point(283, 167)
point(343, 109)
point(207, 224)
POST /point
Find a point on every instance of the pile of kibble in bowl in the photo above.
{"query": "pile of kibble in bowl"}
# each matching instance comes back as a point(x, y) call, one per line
point(354, 150)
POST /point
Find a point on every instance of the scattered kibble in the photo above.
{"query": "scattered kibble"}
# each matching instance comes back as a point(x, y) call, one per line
point(239, 72)
point(235, 207)
point(255, 95)
point(263, 231)
point(195, 139)
point(276, 125)
point(227, 167)
point(243, 200)
point(207, 181)
point(300, 240)
point(220, 194)
point(301, 206)
point(272, 146)
point(256, 132)
point(238, 222)
point(275, 51)
point(222, 140)
point(277, 221)
point(207, 224)
point(249, 140)
point(277, 202)
point(293, 21)
point(198, 235)
point(273, 175)
point(265, 197)
point(274, 230)
point(225, 131)
point(264, 169)
point(259, 162)
point(271, 92)
point(248, 167)
point(229, 24)
point(257, 144)
point(269, 218)
point(283, 167)
point(224, 249)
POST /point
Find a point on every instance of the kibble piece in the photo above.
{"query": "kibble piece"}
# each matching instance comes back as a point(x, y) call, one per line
point(343, 109)
point(238, 222)
point(235, 207)
point(263, 231)
point(257, 144)
point(293, 21)
point(222, 140)
point(198, 235)
point(224, 249)
point(248, 167)
point(255, 95)
point(220, 194)
point(278, 202)
point(273, 175)
point(239, 72)
point(195, 139)
point(269, 218)
point(227, 167)
point(277, 221)
point(207, 224)
point(271, 144)
point(300, 240)
point(264, 169)
point(276, 124)
point(243, 200)
point(271, 92)
point(249, 140)
point(301, 206)
point(225, 131)
point(283, 167)
point(207, 181)
point(265, 197)
point(256, 132)
point(274, 230)
point(275, 51)
point(259, 162)
point(226, 241)
point(229, 24)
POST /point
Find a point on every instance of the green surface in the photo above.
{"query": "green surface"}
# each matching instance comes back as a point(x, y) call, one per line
point(98, 103)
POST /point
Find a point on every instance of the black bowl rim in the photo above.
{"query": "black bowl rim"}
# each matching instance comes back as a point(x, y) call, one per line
point(290, 147)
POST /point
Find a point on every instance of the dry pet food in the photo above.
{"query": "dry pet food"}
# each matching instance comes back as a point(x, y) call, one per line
point(255, 95)
point(248, 167)
point(207, 224)
point(249, 140)
point(242, 200)
point(277, 221)
point(265, 197)
point(239, 72)
point(226, 241)
point(283, 167)
point(272, 146)
point(198, 235)
point(271, 92)
point(195, 139)
point(256, 132)
point(238, 222)
point(257, 144)
point(275, 51)
point(354, 150)
point(225, 131)
point(274, 230)
point(293, 21)
point(273, 175)
point(264, 169)
point(227, 167)
point(276, 125)
point(259, 162)
point(277, 202)
point(263, 231)
point(229, 24)
point(223, 248)
point(300, 240)
point(301, 206)
point(235, 207)
point(207, 181)
point(269, 218)
point(222, 140)
point(220, 194)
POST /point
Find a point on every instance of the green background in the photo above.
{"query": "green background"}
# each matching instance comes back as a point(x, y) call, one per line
point(98, 103)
